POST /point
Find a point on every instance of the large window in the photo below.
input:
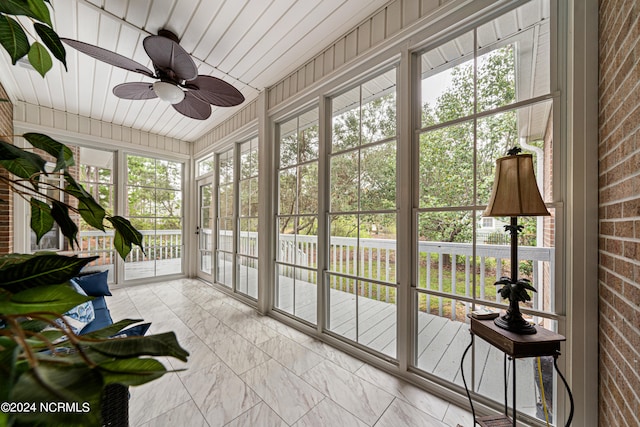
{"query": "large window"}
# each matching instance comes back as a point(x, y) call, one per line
point(362, 215)
point(482, 93)
point(96, 174)
point(225, 220)
point(297, 218)
point(237, 219)
point(154, 207)
point(247, 252)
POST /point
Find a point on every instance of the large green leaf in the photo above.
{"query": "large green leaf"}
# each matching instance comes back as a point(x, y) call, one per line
point(89, 209)
point(52, 41)
point(62, 153)
point(54, 298)
point(33, 8)
point(40, 59)
point(164, 344)
point(24, 271)
point(21, 163)
point(121, 245)
point(60, 213)
point(13, 38)
point(126, 235)
point(131, 371)
point(111, 330)
point(41, 219)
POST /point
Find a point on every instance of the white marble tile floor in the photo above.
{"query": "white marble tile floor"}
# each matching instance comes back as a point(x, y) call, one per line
point(247, 370)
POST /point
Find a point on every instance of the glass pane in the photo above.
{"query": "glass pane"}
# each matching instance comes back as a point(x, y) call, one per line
point(247, 276)
point(289, 143)
point(287, 240)
point(248, 233)
point(224, 273)
point(526, 127)
point(225, 235)
point(343, 243)
point(205, 261)
point(225, 200)
point(379, 108)
point(446, 166)
point(342, 306)
point(206, 165)
point(447, 81)
point(308, 141)
point(377, 315)
point(141, 202)
point(442, 341)
point(141, 171)
point(168, 249)
point(226, 167)
point(306, 243)
point(525, 32)
point(346, 120)
point(247, 160)
point(344, 182)
point(308, 188)
point(168, 203)
point(245, 192)
point(496, 78)
point(253, 197)
point(168, 174)
point(445, 262)
point(378, 177)
point(306, 295)
point(285, 288)
point(377, 256)
point(287, 183)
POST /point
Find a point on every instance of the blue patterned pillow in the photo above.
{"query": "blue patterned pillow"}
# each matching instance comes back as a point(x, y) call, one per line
point(79, 316)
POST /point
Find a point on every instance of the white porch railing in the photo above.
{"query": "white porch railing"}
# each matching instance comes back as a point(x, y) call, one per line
point(158, 245)
point(440, 261)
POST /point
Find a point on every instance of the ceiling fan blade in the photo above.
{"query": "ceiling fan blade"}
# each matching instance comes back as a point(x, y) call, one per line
point(193, 107)
point(215, 91)
point(109, 57)
point(135, 90)
point(170, 58)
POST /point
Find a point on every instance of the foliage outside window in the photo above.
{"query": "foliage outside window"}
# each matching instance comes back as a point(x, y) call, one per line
point(225, 219)
point(154, 205)
point(247, 251)
point(362, 214)
point(297, 217)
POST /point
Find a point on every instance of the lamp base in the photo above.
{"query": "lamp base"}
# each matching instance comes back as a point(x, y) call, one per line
point(515, 324)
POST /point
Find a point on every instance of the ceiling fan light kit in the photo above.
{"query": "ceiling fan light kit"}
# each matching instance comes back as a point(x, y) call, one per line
point(168, 92)
point(177, 77)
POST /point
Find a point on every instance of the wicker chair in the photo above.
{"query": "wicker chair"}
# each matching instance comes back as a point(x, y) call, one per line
point(115, 406)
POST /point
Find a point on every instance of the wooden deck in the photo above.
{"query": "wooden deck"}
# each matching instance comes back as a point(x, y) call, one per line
point(440, 341)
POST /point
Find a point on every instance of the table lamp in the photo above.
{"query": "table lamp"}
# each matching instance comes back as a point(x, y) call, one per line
point(515, 193)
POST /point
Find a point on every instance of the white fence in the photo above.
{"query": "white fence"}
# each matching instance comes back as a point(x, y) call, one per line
point(158, 245)
point(441, 264)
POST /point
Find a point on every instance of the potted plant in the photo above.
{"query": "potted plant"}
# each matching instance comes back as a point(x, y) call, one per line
point(42, 361)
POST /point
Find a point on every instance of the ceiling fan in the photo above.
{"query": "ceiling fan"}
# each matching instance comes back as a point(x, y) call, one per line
point(178, 81)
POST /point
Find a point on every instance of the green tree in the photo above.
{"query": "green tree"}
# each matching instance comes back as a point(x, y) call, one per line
point(446, 154)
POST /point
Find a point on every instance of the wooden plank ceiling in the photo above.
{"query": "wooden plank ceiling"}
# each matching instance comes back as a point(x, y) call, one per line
point(251, 44)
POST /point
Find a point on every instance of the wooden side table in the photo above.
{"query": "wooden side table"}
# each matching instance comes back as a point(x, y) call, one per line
point(514, 346)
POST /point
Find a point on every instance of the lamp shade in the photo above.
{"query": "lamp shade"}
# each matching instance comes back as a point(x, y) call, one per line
point(515, 190)
point(168, 92)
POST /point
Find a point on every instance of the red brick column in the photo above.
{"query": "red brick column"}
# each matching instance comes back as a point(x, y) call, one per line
point(6, 198)
point(619, 206)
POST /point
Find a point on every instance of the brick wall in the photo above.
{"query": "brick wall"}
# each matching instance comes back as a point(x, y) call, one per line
point(619, 206)
point(6, 201)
